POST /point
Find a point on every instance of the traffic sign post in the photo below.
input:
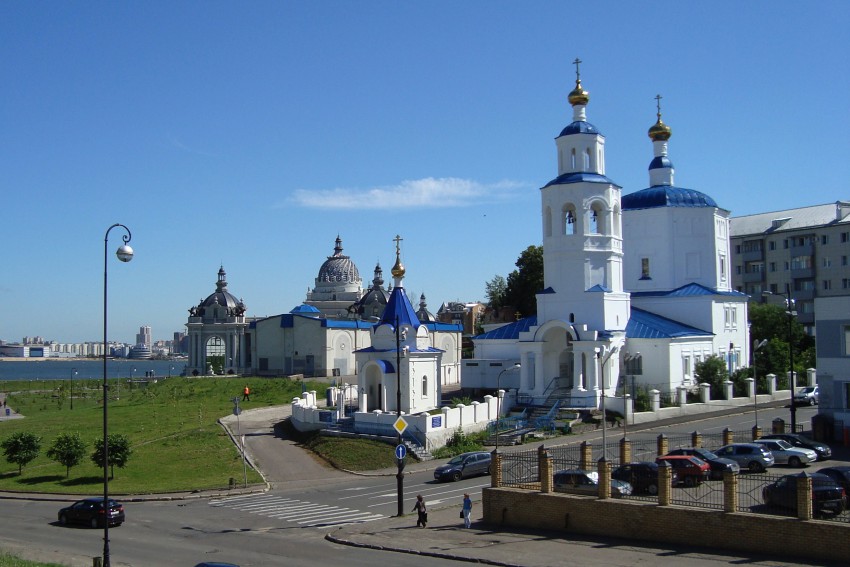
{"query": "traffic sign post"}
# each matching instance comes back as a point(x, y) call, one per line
point(400, 452)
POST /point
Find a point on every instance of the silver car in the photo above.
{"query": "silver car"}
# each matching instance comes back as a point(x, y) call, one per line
point(786, 454)
point(750, 456)
point(808, 395)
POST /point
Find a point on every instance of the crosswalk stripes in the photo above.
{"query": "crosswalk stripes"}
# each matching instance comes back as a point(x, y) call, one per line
point(300, 512)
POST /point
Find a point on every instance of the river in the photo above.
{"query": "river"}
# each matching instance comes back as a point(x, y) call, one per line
point(86, 368)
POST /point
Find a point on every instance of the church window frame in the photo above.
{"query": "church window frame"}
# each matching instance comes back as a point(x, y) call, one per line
point(586, 160)
point(644, 269)
point(573, 160)
point(569, 220)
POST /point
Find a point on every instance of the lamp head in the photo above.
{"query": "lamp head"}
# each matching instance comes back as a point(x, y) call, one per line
point(124, 253)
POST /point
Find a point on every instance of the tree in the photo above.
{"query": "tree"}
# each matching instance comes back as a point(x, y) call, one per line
point(68, 449)
point(771, 322)
point(524, 283)
point(21, 448)
point(495, 290)
point(712, 371)
point(119, 452)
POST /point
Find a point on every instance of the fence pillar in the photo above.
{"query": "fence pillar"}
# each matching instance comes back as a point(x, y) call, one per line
point(662, 445)
point(544, 463)
point(604, 468)
point(496, 470)
point(728, 392)
point(757, 432)
point(751, 387)
point(696, 439)
point(728, 436)
point(655, 400)
point(804, 497)
point(778, 425)
point(586, 456)
point(682, 395)
point(811, 377)
point(771, 384)
point(730, 491)
point(625, 451)
point(705, 392)
point(665, 483)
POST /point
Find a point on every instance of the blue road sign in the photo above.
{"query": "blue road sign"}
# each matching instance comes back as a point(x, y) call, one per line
point(400, 452)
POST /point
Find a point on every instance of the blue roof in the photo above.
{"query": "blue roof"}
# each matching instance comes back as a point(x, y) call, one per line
point(579, 127)
point(511, 330)
point(645, 325)
point(438, 326)
point(373, 349)
point(304, 309)
point(687, 290)
point(599, 287)
point(666, 196)
point(660, 162)
point(399, 307)
point(580, 177)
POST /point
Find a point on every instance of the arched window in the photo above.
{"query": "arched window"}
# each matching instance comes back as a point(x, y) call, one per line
point(569, 221)
point(586, 160)
point(424, 385)
point(573, 160)
point(548, 220)
point(593, 220)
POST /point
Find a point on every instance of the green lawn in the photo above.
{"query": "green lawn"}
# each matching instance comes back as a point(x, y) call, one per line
point(177, 443)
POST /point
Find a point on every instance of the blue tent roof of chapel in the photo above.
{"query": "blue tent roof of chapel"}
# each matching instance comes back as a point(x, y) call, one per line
point(399, 307)
point(511, 330)
point(687, 290)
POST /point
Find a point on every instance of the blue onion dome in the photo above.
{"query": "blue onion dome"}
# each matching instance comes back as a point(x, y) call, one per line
point(338, 268)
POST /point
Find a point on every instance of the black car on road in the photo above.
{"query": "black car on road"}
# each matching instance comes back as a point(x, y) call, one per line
point(91, 512)
point(464, 465)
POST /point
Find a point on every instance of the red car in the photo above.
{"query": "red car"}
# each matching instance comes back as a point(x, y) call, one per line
point(692, 470)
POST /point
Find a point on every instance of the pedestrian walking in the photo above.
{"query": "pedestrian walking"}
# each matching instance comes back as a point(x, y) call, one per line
point(466, 512)
point(246, 393)
point(422, 518)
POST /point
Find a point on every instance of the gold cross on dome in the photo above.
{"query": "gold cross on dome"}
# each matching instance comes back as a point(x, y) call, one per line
point(658, 98)
point(577, 62)
point(397, 241)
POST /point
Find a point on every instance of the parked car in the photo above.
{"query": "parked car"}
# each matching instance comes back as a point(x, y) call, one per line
point(577, 481)
point(90, 511)
point(841, 476)
point(718, 465)
point(786, 454)
point(464, 465)
point(797, 440)
point(750, 456)
point(643, 476)
point(827, 496)
point(216, 564)
point(691, 470)
point(808, 395)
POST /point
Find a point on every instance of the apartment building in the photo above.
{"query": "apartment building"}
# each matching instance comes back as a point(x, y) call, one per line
point(804, 253)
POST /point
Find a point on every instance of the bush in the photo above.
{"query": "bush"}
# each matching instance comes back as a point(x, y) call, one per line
point(459, 443)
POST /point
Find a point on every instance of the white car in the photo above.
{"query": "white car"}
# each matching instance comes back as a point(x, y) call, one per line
point(786, 454)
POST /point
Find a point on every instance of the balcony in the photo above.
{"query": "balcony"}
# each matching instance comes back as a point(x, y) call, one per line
point(752, 255)
point(753, 277)
point(802, 273)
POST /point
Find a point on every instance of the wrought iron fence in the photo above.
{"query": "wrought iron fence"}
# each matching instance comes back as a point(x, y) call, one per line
point(750, 493)
point(565, 457)
point(708, 494)
point(521, 470)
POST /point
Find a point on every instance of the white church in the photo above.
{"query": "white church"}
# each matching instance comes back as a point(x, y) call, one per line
point(637, 286)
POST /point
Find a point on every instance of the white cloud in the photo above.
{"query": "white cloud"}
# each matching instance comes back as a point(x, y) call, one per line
point(410, 194)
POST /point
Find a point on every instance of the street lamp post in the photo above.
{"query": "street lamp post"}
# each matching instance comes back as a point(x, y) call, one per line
point(791, 312)
point(73, 373)
point(399, 462)
point(757, 345)
point(125, 254)
point(516, 366)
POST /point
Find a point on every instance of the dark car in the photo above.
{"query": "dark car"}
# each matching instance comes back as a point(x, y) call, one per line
point(577, 481)
point(464, 465)
point(827, 496)
point(216, 564)
point(718, 465)
point(90, 511)
point(797, 440)
point(840, 475)
point(643, 476)
point(691, 470)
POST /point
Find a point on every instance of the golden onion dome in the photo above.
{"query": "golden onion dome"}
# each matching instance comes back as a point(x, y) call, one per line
point(660, 132)
point(578, 95)
point(398, 268)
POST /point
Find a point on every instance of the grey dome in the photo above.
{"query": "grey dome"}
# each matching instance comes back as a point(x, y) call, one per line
point(220, 297)
point(338, 268)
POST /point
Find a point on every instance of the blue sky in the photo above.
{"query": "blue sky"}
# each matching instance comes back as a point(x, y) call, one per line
point(251, 134)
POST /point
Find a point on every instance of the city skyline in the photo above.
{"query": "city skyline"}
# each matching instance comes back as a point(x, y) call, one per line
point(249, 137)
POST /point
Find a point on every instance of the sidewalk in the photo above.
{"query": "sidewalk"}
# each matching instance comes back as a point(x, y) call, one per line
point(445, 537)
